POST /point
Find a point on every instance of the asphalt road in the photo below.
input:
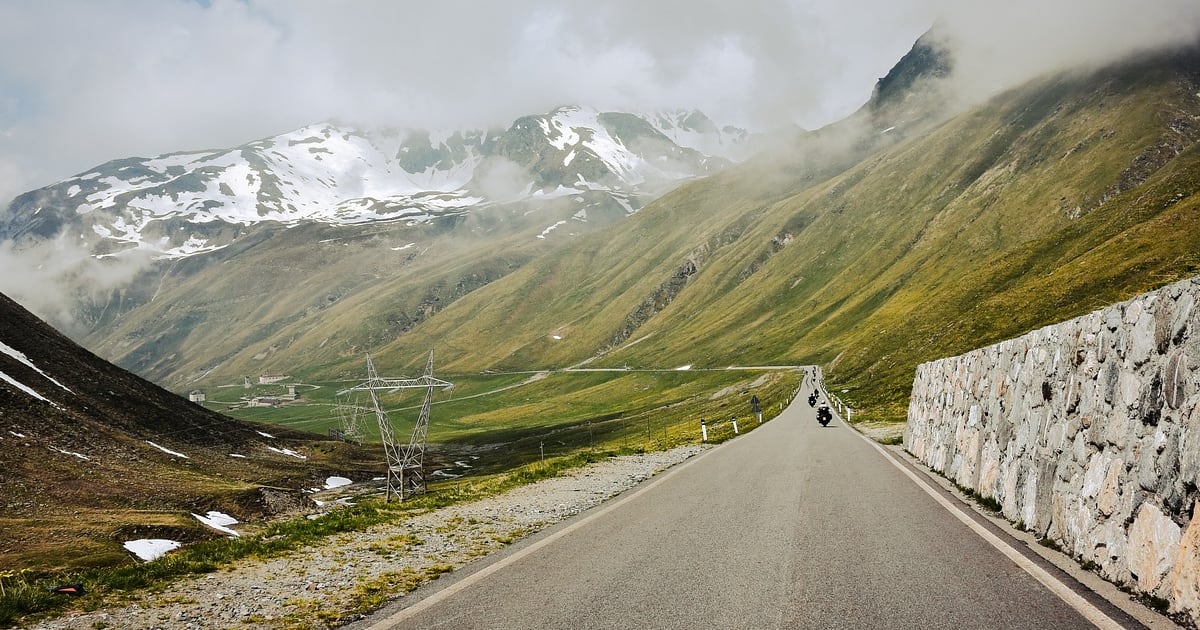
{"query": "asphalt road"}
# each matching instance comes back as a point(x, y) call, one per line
point(789, 526)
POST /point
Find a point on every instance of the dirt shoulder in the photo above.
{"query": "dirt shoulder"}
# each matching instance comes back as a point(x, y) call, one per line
point(330, 584)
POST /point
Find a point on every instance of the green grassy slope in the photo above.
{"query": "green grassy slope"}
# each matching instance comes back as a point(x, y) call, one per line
point(284, 299)
point(872, 246)
point(1044, 203)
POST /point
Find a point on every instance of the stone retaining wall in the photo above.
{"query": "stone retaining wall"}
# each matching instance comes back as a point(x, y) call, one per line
point(1085, 432)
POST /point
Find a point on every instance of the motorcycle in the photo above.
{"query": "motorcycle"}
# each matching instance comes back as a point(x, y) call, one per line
point(812, 399)
point(824, 415)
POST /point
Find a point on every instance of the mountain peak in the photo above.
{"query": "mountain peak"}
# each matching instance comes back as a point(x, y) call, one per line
point(180, 204)
point(928, 59)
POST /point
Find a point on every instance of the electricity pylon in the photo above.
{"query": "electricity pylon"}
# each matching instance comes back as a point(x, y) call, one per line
point(406, 472)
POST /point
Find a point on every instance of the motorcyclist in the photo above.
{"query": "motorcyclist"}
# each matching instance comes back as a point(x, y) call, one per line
point(824, 415)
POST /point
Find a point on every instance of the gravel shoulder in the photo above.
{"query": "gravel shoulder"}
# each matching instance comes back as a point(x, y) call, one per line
point(311, 587)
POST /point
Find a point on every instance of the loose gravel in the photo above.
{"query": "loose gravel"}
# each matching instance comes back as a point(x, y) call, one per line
point(307, 588)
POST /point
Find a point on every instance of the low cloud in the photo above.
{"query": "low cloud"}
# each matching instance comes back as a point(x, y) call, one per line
point(84, 82)
point(53, 278)
point(500, 179)
point(998, 45)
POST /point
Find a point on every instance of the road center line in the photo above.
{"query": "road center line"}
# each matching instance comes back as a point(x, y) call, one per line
point(1056, 586)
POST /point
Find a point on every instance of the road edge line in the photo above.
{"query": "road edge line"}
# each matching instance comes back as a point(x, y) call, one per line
point(1068, 595)
point(391, 620)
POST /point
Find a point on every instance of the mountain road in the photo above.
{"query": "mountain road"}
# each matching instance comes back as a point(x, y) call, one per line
point(789, 526)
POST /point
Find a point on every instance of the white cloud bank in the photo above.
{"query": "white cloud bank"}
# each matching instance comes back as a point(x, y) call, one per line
point(82, 82)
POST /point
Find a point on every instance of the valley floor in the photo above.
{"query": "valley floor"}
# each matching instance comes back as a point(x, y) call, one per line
point(320, 585)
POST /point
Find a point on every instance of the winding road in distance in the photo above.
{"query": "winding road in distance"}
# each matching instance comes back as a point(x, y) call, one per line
point(789, 526)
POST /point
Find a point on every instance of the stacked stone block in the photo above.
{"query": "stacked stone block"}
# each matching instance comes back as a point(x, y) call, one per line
point(1085, 432)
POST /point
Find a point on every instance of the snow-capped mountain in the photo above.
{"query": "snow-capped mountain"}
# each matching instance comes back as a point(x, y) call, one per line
point(181, 204)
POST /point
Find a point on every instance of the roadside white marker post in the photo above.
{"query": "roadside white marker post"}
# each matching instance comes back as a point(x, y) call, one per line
point(734, 421)
point(703, 431)
point(760, 417)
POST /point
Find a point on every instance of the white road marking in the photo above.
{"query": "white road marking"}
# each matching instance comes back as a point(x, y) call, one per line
point(1064, 592)
point(399, 616)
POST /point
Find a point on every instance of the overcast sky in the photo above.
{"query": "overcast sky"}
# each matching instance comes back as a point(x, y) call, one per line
point(82, 82)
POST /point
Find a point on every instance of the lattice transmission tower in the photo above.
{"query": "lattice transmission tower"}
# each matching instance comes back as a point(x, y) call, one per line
point(405, 463)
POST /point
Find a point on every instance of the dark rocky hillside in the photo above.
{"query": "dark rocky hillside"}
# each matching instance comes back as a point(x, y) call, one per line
point(78, 472)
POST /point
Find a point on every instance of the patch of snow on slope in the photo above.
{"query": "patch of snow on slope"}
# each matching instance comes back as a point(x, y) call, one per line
point(167, 450)
point(559, 131)
point(287, 451)
point(550, 229)
point(20, 356)
point(66, 452)
point(336, 482)
point(619, 159)
point(218, 521)
point(194, 245)
point(21, 386)
point(150, 548)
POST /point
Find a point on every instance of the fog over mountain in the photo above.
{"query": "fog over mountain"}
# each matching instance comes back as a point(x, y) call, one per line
point(84, 82)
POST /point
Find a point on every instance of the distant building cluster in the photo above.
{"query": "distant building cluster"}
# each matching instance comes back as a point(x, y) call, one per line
point(197, 396)
point(271, 401)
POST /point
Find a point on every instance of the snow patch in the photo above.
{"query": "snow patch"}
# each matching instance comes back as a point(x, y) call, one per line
point(66, 452)
point(237, 455)
point(336, 482)
point(218, 521)
point(287, 451)
point(20, 356)
point(266, 435)
point(167, 450)
point(21, 386)
point(550, 229)
point(684, 368)
point(150, 548)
